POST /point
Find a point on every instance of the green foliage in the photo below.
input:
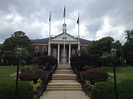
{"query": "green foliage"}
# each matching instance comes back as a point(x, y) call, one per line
point(103, 90)
point(100, 46)
point(129, 35)
point(128, 52)
point(103, 46)
point(88, 85)
point(8, 48)
point(125, 89)
point(22, 62)
point(7, 90)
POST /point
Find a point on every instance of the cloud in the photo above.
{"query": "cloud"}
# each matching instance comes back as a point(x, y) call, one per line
point(98, 18)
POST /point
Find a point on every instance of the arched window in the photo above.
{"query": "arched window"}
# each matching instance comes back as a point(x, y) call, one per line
point(44, 48)
point(36, 49)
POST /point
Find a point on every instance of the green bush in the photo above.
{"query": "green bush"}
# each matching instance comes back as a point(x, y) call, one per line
point(103, 90)
point(7, 90)
point(125, 89)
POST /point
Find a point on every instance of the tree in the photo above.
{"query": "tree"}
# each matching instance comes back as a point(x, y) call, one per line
point(103, 46)
point(129, 35)
point(128, 52)
point(17, 39)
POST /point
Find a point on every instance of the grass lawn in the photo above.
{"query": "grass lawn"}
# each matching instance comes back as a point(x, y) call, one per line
point(121, 72)
point(8, 73)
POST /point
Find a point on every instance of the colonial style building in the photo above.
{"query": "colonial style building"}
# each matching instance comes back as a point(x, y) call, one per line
point(61, 46)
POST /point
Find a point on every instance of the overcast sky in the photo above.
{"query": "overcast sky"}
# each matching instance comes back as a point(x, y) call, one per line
point(98, 18)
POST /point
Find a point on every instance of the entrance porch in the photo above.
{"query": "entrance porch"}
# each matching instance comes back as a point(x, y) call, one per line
point(58, 51)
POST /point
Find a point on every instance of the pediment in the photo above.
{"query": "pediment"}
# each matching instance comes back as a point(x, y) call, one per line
point(65, 36)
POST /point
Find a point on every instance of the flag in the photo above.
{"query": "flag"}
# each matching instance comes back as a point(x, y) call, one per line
point(78, 21)
point(64, 14)
point(50, 16)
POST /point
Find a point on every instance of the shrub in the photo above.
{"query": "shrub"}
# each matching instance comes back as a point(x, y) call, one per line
point(29, 75)
point(94, 75)
point(41, 74)
point(103, 90)
point(7, 90)
point(22, 62)
point(85, 60)
point(125, 89)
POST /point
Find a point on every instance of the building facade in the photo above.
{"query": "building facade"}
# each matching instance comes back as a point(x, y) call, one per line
point(61, 46)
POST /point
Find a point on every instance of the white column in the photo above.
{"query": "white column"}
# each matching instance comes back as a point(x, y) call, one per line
point(69, 52)
point(58, 53)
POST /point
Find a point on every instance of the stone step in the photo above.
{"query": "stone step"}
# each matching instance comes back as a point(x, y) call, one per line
point(64, 72)
point(64, 68)
point(64, 89)
point(64, 84)
point(64, 77)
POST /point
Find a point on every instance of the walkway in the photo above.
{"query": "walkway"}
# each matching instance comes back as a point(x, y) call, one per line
point(64, 85)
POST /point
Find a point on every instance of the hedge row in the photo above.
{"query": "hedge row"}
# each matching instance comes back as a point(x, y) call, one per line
point(33, 75)
point(7, 90)
point(105, 90)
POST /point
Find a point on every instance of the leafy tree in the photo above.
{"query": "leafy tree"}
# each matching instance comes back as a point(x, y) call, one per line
point(128, 52)
point(103, 46)
point(17, 39)
point(129, 35)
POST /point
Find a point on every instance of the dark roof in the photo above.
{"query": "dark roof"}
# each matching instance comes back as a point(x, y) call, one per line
point(84, 41)
point(45, 40)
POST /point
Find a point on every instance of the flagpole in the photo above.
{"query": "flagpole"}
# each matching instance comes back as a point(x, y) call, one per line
point(49, 47)
point(64, 56)
point(78, 33)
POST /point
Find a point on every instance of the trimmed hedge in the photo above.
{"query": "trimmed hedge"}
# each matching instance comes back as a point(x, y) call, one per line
point(94, 75)
point(125, 89)
point(29, 75)
point(7, 90)
point(103, 90)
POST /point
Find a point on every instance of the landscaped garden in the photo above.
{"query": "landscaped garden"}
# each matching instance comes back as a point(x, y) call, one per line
point(98, 80)
point(32, 79)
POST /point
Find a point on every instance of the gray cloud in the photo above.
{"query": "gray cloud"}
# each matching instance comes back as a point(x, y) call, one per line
point(98, 18)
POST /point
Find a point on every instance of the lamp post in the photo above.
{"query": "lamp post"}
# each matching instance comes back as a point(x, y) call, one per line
point(113, 53)
point(18, 59)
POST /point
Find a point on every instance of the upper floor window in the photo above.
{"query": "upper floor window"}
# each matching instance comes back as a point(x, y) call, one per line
point(64, 38)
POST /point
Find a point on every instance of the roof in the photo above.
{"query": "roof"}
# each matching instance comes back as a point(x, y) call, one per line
point(45, 40)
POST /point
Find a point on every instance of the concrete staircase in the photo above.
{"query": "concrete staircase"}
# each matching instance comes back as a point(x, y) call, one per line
point(64, 80)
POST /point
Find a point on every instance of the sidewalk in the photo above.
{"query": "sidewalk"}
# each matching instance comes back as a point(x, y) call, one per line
point(64, 95)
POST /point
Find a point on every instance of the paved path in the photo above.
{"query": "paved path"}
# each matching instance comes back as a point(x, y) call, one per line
point(63, 94)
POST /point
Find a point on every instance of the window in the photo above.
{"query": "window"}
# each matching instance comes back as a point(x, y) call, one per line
point(64, 38)
point(36, 49)
point(44, 49)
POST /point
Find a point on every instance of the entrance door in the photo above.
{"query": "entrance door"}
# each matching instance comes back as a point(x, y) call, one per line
point(63, 58)
point(55, 52)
